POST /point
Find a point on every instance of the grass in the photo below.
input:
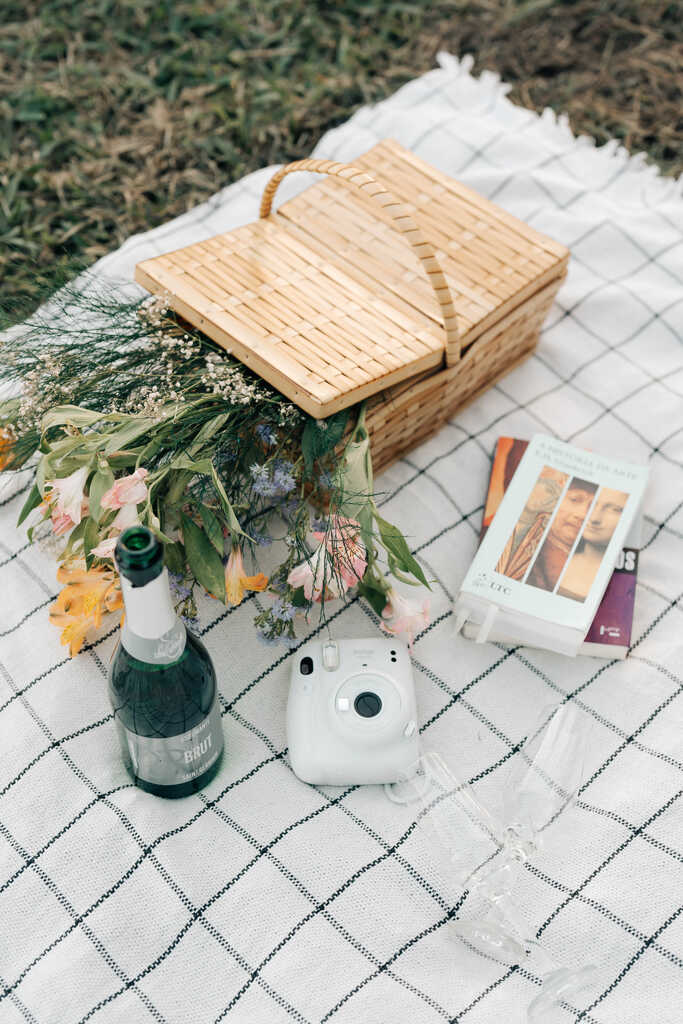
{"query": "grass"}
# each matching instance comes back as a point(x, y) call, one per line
point(117, 116)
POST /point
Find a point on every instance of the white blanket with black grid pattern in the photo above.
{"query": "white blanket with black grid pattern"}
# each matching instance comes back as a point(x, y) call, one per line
point(265, 900)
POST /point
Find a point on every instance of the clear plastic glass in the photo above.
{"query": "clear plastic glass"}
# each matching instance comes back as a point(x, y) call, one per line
point(484, 853)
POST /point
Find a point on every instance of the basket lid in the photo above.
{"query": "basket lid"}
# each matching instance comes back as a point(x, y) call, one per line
point(328, 303)
point(491, 260)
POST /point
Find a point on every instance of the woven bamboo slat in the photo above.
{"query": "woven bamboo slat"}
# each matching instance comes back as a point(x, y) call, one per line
point(404, 416)
point(386, 280)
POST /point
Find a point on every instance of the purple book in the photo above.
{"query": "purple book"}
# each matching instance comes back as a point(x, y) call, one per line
point(610, 633)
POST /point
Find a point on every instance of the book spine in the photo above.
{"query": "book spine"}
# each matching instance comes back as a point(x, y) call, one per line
point(614, 618)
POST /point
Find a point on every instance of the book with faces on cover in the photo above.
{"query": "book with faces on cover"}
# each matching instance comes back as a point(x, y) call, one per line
point(609, 635)
point(554, 529)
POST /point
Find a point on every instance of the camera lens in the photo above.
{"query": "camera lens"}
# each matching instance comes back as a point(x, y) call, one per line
point(306, 666)
point(367, 705)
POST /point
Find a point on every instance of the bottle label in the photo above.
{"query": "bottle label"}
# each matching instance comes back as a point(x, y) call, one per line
point(155, 650)
point(171, 760)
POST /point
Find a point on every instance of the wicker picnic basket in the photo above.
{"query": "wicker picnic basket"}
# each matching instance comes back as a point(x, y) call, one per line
point(327, 302)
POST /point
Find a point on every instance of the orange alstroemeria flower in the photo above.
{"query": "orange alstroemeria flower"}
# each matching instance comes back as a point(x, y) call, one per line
point(237, 581)
point(79, 607)
point(7, 439)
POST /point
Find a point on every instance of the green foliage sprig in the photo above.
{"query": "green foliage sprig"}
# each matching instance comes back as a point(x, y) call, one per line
point(130, 414)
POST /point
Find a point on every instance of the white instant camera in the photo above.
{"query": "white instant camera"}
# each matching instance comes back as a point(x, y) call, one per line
point(351, 716)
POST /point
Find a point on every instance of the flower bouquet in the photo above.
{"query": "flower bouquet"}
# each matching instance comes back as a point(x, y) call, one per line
point(128, 415)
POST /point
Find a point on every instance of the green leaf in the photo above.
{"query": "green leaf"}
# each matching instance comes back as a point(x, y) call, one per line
point(122, 437)
point(395, 543)
point(174, 556)
point(365, 518)
point(90, 540)
point(299, 598)
point(9, 410)
point(233, 522)
point(124, 459)
point(99, 485)
point(205, 467)
point(395, 570)
point(34, 499)
point(73, 415)
point(210, 429)
point(151, 448)
point(44, 472)
point(151, 519)
point(205, 562)
point(58, 449)
point(377, 599)
point(75, 538)
point(214, 530)
point(321, 436)
point(184, 461)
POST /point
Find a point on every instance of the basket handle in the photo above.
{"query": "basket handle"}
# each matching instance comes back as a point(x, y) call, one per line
point(402, 222)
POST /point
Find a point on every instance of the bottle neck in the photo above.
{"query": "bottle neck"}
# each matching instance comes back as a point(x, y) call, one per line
point(152, 632)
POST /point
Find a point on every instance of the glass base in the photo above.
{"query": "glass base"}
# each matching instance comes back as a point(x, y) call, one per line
point(182, 788)
point(560, 985)
point(491, 939)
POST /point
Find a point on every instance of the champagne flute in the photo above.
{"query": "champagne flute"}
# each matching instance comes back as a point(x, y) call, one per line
point(485, 853)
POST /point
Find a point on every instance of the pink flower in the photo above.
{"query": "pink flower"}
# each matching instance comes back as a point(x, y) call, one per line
point(67, 495)
point(317, 578)
point(404, 618)
point(345, 549)
point(126, 516)
point(105, 549)
point(339, 561)
point(61, 523)
point(128, 490)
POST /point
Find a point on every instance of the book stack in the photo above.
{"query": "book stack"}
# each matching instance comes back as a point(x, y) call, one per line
point(556, 565)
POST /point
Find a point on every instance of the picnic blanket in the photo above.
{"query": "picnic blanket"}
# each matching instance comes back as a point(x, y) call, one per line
point(263, 899)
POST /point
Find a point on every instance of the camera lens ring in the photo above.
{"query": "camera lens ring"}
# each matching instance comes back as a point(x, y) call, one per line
point(367, 704)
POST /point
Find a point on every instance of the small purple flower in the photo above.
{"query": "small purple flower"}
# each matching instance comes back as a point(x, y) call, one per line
point(283, 481)
point(179, 591)
point(283, 611)
point(261, 480)
point(262, 539)
point(266, 434)
point(279, 484)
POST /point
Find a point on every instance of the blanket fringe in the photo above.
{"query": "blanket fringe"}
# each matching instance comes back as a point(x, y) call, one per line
point(644, 177)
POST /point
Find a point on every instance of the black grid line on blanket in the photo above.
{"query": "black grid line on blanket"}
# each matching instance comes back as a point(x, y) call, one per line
point(635, 831)
point(632, 737)
point(392, 965)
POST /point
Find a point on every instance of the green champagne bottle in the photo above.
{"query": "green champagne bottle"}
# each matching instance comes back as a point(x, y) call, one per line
point(162, 683)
